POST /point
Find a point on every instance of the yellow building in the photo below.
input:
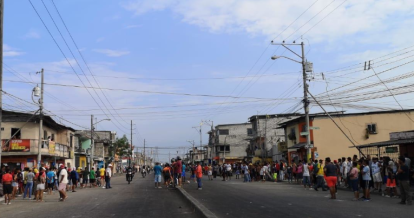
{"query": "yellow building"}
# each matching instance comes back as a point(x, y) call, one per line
point(329, 141)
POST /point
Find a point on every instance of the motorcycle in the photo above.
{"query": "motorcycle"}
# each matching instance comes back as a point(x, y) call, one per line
point(129, 177)
point(143, 173)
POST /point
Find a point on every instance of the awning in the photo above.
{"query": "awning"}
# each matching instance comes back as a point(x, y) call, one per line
point(386, 143)
point(297, 146)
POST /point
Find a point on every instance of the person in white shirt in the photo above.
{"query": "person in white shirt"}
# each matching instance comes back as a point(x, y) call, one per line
point(63, 181)
point(306, 176)
point(376, 174)
point(108, 175)
point(344, 170)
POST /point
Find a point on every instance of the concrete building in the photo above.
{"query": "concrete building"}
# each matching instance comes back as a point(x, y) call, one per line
point(103, 153)
point(230, 142)
point(328, 140)
point(22, 149)
point(266, 138)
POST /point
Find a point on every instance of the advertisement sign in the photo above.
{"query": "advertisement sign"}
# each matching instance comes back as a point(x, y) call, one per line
point(52, 147)
point(16, 145)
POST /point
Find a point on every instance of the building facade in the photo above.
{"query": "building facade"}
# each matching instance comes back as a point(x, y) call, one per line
point(329, 141)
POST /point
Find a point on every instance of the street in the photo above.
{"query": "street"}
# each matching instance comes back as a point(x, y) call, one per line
point(139, 199)
point(237, 199)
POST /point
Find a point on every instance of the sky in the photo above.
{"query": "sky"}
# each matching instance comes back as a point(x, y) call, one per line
point(168, 65)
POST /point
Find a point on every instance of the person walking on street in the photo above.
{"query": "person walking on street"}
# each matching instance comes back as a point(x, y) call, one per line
point(63, 181)
point(7, 179)
point(28, 177)
point(108, 175)
point(331, 173)
point(404, 178)
point(92, 180)
point(306, 176)
point(199, 175)
point(353, 178)
point(157, 175)
point(366, 177)
point(319, 177)
point(102, 175)
point(74, 177)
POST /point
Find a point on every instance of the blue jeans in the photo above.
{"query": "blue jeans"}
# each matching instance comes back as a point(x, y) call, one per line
point(199, 182)
point(246, 177)
point(289, 175)
point(28, 187)
point(306, 181)
point(108, 181)
point(320, 182)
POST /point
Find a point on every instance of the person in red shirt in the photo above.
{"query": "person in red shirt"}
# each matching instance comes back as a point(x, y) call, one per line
point(7, 186)
point(178, 169)
point(199, 175)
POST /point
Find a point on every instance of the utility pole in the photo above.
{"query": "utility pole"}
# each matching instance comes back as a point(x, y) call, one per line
point(92, 145)
point(305, 64)
point(145, 158)
point(1, 69)
point(39, 154)
point(306, 103)
point(132, 152)
point(264, 154)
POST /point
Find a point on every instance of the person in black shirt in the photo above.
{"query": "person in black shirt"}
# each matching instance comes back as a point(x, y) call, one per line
point(403, 176)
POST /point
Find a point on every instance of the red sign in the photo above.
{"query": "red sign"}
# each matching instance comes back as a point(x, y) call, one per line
point(17, 145)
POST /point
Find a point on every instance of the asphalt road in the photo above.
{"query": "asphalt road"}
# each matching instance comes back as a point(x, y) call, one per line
point(237, 199)
point(139, 199)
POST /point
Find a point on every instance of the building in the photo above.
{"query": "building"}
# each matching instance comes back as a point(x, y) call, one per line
point(103, 153)
point(329, 141)
point(230, 142)
point(20, 146)
point(267, 140)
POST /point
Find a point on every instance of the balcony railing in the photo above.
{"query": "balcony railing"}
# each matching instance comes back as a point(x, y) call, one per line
point(30, 147)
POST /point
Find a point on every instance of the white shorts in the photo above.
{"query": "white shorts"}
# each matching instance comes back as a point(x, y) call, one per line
point(41, 187)
point(210, 173)
point(377, 177)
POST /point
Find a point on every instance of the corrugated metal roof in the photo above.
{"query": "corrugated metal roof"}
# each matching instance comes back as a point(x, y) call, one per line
point(386, 143)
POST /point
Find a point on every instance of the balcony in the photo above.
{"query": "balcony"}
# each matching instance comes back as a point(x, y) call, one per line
point(17, 147)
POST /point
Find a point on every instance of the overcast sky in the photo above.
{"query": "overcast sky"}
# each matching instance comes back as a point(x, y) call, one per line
point(168, 64)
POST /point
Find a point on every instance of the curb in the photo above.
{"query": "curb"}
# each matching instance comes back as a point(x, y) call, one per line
point(206, 212)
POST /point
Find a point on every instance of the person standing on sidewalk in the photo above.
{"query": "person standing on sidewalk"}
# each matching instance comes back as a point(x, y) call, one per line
point(199, 175)
point(331, 173)
point(92, 180)
point(157, 175)
point(403, 176)
point(7, 179)
point(28, 177)
point(319, 177)
point(366, 177)
point(353, 178)
point(63, 181)
point(108, 175)
point(306, 176)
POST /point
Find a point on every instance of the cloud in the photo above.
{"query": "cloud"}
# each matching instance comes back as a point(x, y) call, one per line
point(11, 52)
point(270, 17)
point(111, 53)
point(132, 26)
point(32, 34)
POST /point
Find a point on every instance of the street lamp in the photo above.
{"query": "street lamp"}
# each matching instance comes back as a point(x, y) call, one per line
point(306, 67)
point(39, 93)
point(92, 142)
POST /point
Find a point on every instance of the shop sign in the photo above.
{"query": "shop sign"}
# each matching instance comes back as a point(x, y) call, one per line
point(391, 150)
point(17, 145)
point(52, 147)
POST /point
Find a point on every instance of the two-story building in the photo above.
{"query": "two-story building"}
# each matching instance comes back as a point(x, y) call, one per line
point(231, 142)
point(327, 140)
point(266, 138)
point(20, 144)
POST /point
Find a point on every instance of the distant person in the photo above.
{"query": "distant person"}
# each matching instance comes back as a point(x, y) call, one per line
point(157, 175)
point(108, 175)
point(199, 175)
point(63, 181)
point(403, 177)
point(7, 179)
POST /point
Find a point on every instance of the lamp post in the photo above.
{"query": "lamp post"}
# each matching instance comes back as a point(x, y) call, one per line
point(39, 93)
point(92, 140)
point(306, 67)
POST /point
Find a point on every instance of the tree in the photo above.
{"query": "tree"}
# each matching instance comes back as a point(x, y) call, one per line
point(122, 147)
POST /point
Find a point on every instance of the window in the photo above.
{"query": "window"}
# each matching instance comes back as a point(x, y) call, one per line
point(53, 137)
point(372, 128)
point(304, 129)
point(16, 133)
point(44, 135)
point(249, 131)
point(223, 132)
point(227, 147)
point(292, 134)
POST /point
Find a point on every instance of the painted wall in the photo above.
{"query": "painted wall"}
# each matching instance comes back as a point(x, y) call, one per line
point(236, 139)
point(330, 142)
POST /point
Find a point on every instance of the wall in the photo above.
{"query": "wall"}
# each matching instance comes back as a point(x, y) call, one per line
point(330, 141)
point(236, 139)
point(29, 131)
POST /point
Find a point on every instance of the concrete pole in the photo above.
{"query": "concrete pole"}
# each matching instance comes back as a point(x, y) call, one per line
point(92, 145)
point(39, 154)
point(306, 103)
point(1, 70)
point(132, 152)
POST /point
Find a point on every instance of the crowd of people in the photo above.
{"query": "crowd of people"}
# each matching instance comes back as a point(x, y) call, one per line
point(32, 183)
point(361, 175)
